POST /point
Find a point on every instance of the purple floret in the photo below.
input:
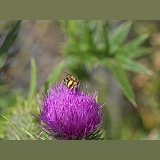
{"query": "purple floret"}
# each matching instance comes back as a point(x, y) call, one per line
point(69, 114)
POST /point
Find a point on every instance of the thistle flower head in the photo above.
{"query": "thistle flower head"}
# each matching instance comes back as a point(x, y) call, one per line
point(69, 114)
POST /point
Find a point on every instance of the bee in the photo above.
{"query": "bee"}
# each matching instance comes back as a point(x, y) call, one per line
point(71, 82)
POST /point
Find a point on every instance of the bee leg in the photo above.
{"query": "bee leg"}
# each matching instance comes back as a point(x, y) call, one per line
point(70, 87)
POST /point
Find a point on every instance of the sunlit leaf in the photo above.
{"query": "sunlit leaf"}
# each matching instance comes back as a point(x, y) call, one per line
point(15, 128)
point(28, 133)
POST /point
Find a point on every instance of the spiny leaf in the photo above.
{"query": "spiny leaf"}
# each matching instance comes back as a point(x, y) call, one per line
point(130, 65)
point(18, 138)
point(15, 127)
point(118, 35)
point(122, 80)
point(136, 42)
point(21, 117)
point(33, 81)
point(96, 135)
point(139, 52)
point(29, 134)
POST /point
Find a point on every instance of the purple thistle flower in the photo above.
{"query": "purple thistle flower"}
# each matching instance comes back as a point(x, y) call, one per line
point(69, 114)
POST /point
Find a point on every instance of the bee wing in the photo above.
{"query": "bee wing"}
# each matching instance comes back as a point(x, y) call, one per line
point(66, 73)
point(71, 77)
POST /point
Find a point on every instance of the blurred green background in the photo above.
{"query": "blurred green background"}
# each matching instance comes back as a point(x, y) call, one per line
point(119, 59)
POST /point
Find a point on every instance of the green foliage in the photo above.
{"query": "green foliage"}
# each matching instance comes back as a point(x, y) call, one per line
point(53, 76)
point(96, 135)
point(122, 79)
point(90, 42)
point(20, 124)
point(117, 36)
point(10, 38)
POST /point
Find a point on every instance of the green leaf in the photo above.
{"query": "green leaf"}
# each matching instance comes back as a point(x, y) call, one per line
point(33, 82)
point(15, 127)
point(132, 49)
point(95, 135)
point(53, 76)
point(131, 65)
point(106, 38)
point(118, 35)
point(139, 52)
point(121, 77)
point(2, 60)
point(10, 38)
point(136, 42)
point(28, 133)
